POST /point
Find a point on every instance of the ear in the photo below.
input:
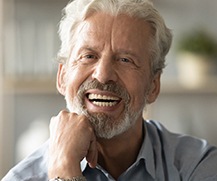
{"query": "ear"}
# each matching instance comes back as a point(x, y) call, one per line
point(61, 79)
point(154, 89)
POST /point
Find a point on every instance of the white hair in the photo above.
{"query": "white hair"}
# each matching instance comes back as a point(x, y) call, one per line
point(78, 10)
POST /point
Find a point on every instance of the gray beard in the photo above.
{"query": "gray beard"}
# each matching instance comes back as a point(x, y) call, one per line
point(105, 126)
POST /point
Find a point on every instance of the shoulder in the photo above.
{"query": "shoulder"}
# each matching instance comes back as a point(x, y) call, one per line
point(193, 158)
point(33, 167)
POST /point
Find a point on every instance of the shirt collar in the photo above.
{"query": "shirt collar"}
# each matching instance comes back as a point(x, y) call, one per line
point(146, 153)
point(83, 164)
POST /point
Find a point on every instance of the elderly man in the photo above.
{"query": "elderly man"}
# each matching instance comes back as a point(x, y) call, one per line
point(111, 60)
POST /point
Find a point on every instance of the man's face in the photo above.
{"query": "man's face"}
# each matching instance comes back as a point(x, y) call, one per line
point(108, 76)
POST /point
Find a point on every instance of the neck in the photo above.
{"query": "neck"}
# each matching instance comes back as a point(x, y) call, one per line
point(119, 153)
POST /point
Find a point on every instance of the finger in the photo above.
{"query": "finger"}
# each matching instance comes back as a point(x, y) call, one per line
point(55, 119)
point(95, 159)
point(92, 154)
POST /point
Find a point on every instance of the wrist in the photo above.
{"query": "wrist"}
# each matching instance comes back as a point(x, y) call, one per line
point(64, 169)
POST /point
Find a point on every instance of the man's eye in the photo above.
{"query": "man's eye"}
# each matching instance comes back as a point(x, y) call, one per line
point(90, 57)
point(125, 60)
point(129, 62)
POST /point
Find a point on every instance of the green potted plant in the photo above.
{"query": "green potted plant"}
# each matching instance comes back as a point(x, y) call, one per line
point(197, 58)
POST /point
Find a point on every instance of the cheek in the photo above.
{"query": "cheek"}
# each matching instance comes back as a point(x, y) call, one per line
point(137, 87)
point(137, 94)
point(75, 77)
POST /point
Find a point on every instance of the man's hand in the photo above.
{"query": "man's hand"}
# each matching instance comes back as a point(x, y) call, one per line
point(72, 138)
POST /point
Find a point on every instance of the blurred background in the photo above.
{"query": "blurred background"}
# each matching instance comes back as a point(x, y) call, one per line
point(28, 97)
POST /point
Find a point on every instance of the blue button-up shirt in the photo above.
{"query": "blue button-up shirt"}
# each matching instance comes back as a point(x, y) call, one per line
point(164, 156)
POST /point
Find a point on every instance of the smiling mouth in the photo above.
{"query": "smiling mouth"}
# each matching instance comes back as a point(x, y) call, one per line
point(103, 100)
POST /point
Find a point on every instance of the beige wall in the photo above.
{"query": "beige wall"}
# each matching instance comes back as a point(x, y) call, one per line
point(1, 89)
point(6, 108)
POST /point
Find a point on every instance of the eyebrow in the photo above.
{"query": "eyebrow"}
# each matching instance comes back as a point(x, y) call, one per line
point(116, 52)
point(89, 48)
point(94, 48)
point(128, 52)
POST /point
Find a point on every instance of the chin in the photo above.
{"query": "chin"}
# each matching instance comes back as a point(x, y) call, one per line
point(104, 125)
point(107, 127)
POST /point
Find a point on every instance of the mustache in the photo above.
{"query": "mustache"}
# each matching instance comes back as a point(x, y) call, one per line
point(110, 86)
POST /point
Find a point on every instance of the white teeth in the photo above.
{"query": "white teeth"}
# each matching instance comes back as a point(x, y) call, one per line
point(102, 97)
point(104, 104)
point(103, 100)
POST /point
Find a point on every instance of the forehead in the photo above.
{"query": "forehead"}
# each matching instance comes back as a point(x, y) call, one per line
point(119, 32)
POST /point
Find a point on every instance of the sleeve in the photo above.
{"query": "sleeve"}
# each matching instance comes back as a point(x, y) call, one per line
point(11, 176)
point(32, 168)
point(206, 170)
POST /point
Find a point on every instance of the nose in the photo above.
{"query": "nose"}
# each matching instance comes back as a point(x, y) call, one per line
point(105, 71)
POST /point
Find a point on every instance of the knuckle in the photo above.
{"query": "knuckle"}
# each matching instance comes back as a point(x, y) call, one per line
point(63, 113)
point(84, 123)
point(91, 130)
